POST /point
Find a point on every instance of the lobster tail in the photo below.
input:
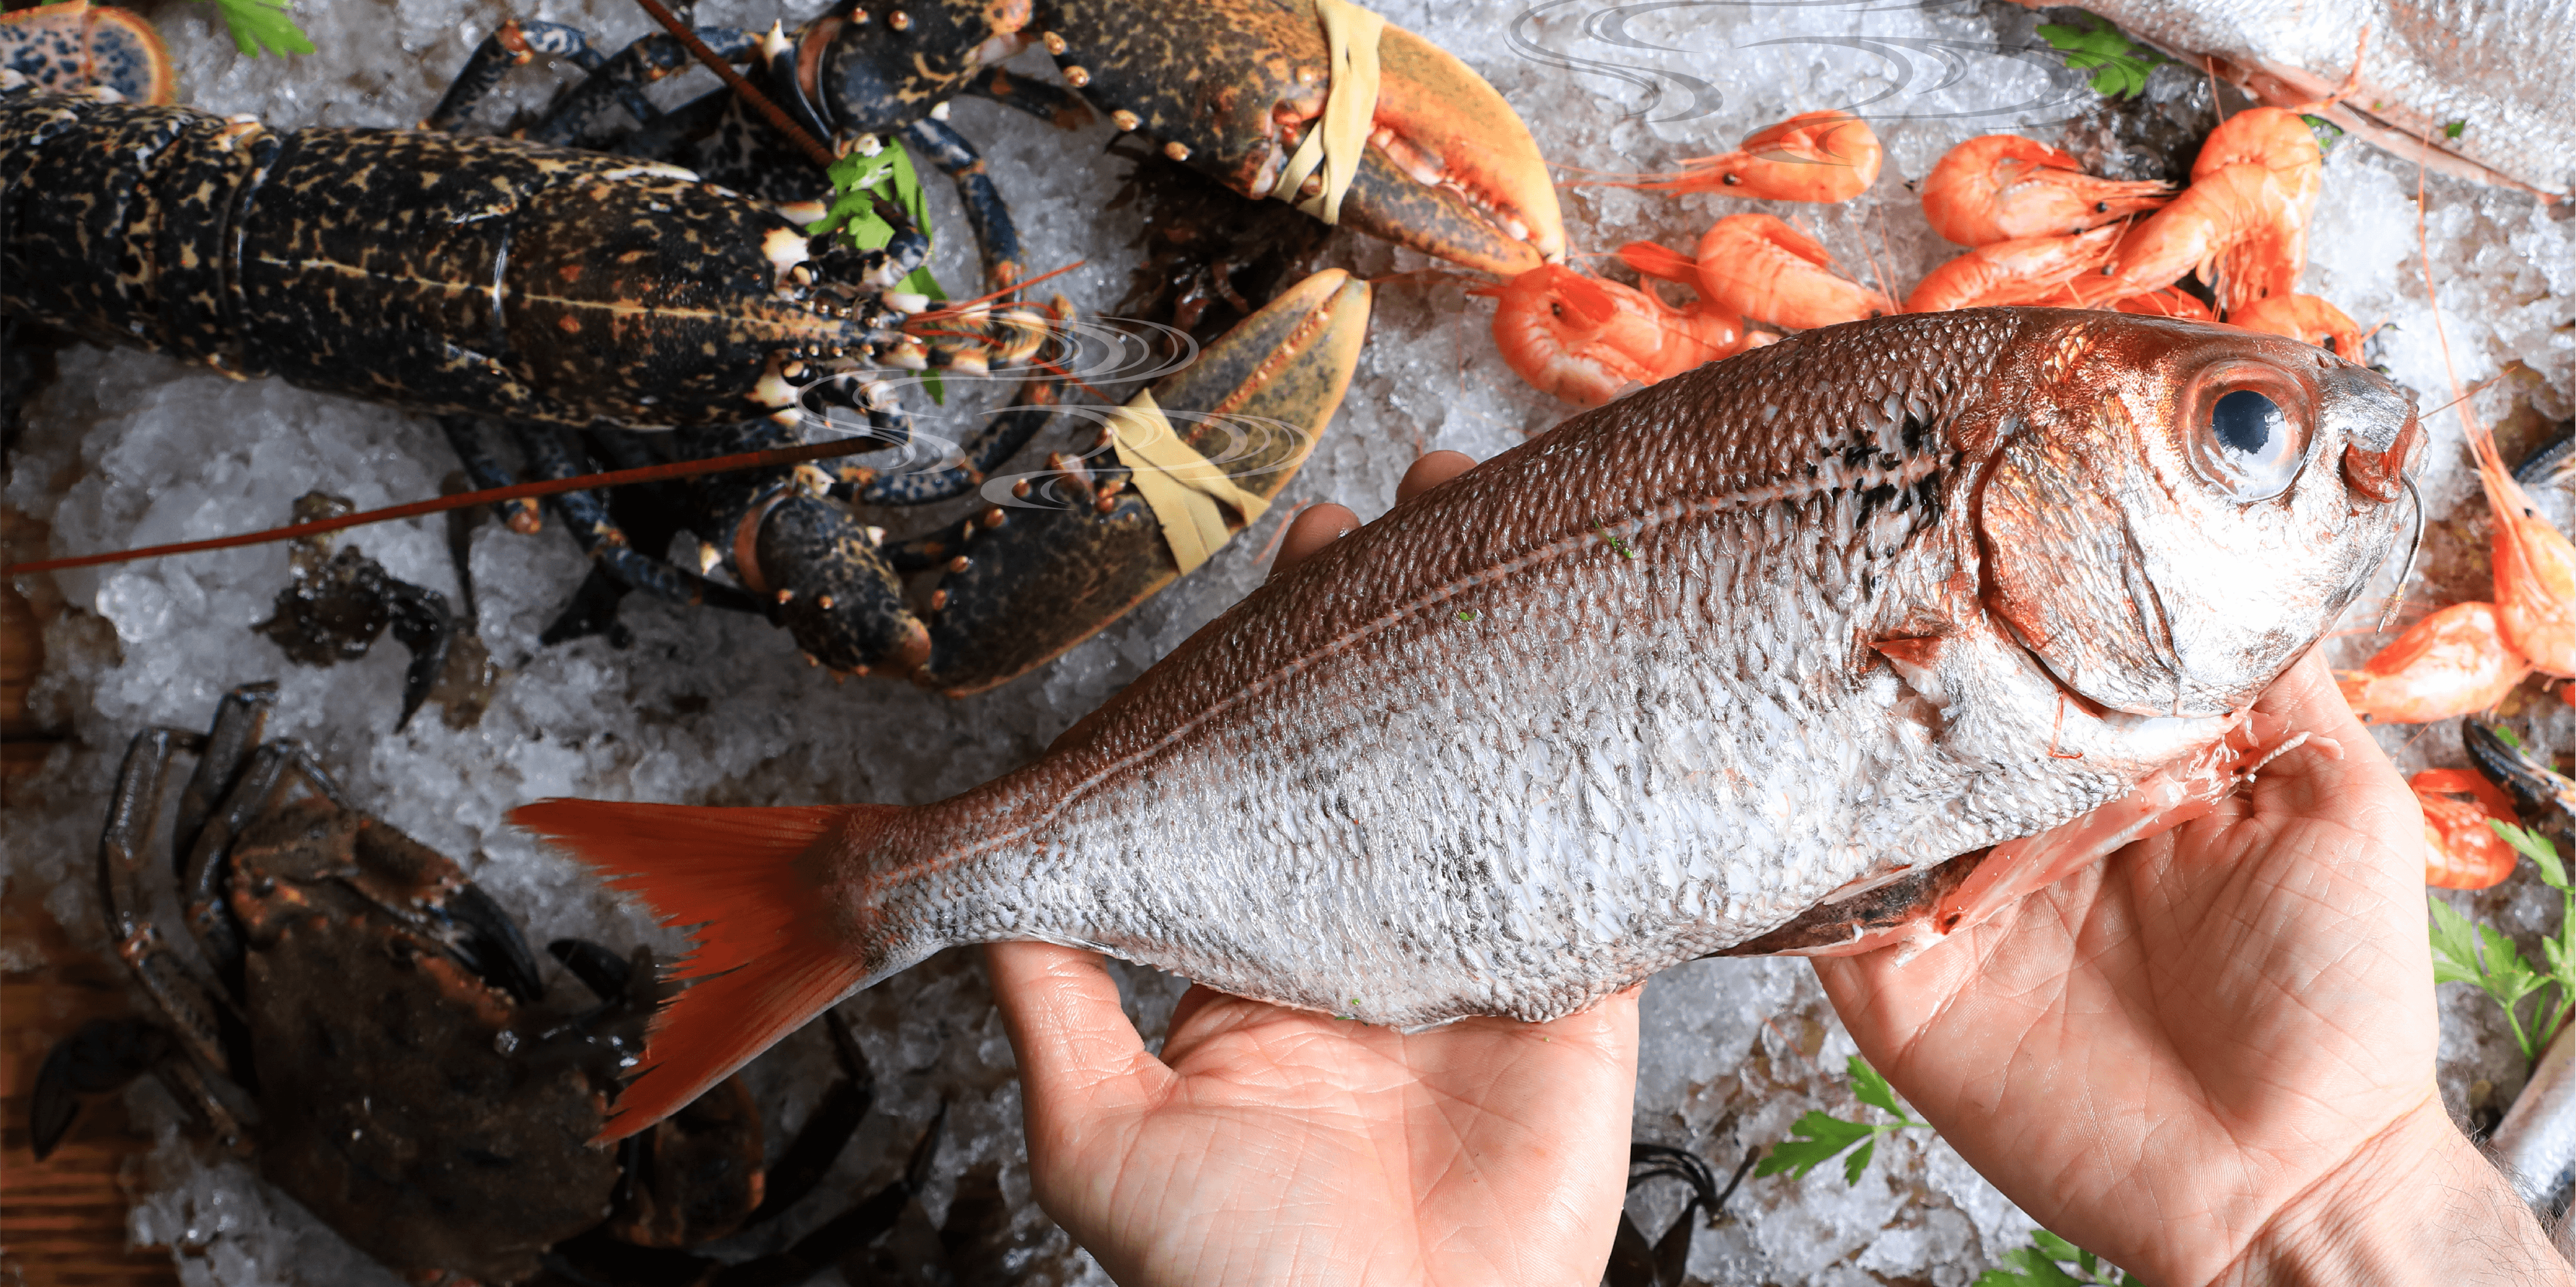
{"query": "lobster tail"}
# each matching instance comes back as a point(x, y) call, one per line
point(769, 956)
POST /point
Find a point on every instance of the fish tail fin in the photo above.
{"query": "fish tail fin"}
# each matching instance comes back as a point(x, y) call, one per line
point(767, 957)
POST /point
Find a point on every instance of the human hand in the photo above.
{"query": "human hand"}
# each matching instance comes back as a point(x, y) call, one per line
point(1269, 1145)
point(2210, 1058)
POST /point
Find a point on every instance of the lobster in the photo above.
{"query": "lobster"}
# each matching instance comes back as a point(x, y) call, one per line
point(556, 290)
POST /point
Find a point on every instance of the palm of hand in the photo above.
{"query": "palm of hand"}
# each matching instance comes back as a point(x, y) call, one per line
point(2193, 1033)
point(1276, 1145)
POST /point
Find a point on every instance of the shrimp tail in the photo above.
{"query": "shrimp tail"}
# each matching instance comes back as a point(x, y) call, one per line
point(769, 955)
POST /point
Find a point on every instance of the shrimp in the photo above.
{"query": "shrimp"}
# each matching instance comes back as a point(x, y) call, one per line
point(2303, 317)
point(2166, 302)
point(2535, 567)
point(2002, 187)
point(1814, 156)
point(2245, 206)
point(1585, 340)
point(2460, 850)
point(2278, 140)
point(2452, 662)
point(2024, 270)
point(1761, 269)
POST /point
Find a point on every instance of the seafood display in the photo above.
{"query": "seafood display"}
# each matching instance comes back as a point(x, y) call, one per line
point(1525, 740)
point(125, 449)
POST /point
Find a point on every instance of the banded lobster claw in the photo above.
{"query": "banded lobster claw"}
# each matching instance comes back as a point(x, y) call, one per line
point(1057, 553)
point(1232, 87)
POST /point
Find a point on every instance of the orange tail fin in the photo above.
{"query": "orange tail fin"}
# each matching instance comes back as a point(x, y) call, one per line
point(768, 958)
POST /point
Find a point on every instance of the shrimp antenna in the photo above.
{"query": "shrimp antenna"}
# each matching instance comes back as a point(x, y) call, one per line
point(2413, 543)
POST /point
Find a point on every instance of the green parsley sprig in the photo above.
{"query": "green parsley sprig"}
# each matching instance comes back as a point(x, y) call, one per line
point(1826, 1135)
point(259, 25)
point(858, 180)
point(2119, 64)
point(2045, 1263)
point(2467, 952)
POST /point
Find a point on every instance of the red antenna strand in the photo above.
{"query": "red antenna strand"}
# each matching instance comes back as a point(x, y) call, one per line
point(771, 458)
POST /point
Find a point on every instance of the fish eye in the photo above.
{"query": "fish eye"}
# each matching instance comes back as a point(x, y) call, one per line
point(2246, 442)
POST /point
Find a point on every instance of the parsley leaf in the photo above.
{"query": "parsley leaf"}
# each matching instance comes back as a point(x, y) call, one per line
point(2452, 130)
point(2043, 1264)
point(2119, 65)
point(2465, 952)
point(2537, 848)
point(857, 181)
point(1826, 1136)
point(263, 24)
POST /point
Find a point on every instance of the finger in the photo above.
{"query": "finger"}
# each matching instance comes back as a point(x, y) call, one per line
point(1060, 1008)
point(1312, 531)
point(2351, 776)
point(1430, 470)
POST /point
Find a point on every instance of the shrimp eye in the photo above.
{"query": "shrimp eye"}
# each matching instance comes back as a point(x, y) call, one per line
point(2250, 448)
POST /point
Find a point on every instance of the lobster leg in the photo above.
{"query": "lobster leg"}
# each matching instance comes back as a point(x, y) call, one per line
point(1010, 430)
point(587, 516)
point(621, 80)
point(485, 471)
point(1052, 104)
point(995, 235)
point(515, 43)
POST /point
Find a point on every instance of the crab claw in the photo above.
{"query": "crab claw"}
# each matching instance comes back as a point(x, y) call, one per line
point(1233, 86)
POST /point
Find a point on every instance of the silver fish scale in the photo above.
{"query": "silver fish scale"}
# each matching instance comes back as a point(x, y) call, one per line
point(1600, 706)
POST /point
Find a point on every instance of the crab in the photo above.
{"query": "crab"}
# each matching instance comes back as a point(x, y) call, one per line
point(369, 1028)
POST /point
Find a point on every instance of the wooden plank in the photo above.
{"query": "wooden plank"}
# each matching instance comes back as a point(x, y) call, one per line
point(62, 1221)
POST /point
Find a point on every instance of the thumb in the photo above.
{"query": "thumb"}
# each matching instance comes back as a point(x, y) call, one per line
point(1079, 1055)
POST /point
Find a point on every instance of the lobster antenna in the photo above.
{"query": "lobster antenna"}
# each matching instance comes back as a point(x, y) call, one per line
point(771, 458)
point(2413, 543)
point(812, 147)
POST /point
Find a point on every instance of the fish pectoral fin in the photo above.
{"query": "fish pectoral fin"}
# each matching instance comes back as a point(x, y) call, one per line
point(1870, 918)
point(768, 957)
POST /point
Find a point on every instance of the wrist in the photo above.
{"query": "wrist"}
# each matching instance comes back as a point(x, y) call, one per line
point(2415, 1203)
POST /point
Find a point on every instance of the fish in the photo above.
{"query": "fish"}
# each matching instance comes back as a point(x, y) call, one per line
point(2449, 83)
point(1803, 650)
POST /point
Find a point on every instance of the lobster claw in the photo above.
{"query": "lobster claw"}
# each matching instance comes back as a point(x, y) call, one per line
point(1090, 543)
point(1233, 86)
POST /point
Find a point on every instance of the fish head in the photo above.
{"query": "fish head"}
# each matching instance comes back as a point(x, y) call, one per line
point(2181, 510)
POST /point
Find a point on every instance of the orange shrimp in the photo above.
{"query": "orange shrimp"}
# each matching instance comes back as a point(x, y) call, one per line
point(2167, 302)
point(2453, 662)
point(2002, 187)
point(2024, 270)
point(2278, 140)
point(1586, 340)
point(2244, 205)
point(1814, 156)
point(2535, 567)
point(2303, 317)
point(1761, 269)
point(2460, 850)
